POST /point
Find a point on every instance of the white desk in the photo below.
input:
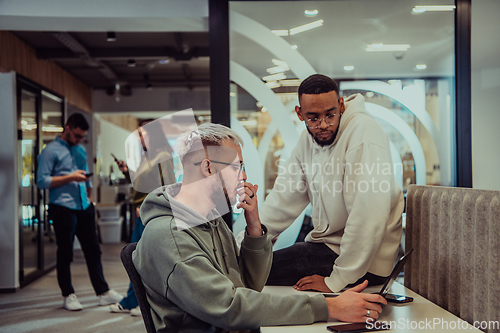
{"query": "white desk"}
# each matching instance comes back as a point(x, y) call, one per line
point(405, 317)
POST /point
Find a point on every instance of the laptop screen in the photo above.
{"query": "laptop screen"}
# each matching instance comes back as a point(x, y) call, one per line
point(394, 274)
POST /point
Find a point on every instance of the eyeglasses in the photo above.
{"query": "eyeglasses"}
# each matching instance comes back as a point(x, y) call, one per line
point(316, 122)
point(241, 166)
point(78, 136)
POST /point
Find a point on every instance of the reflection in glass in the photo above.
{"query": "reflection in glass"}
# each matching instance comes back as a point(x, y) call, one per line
point(402, 63)
point(28, 187)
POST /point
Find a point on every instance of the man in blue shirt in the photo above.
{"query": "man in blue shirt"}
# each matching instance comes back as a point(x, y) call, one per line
point(62, 168)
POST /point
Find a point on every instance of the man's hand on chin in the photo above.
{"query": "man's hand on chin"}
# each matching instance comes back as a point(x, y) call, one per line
point(312, 282)
point(248, 201)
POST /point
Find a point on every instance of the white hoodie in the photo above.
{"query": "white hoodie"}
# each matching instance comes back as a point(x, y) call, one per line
point(357, 204)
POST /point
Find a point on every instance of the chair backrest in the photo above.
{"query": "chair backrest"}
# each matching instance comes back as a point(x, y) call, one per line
point(140, 291)
point(455, 234)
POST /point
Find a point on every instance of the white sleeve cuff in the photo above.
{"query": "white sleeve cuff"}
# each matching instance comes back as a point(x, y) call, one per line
point(335, 283)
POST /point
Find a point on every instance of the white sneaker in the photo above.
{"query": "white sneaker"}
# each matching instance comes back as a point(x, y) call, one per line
point(136, 312)
point(71, 303)
point(117, 308)
point(110, 297)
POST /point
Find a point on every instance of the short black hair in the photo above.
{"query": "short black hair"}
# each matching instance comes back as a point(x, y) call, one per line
point(77, 120)
point(318, 84)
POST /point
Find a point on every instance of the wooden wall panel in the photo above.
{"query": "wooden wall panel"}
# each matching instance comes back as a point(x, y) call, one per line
point(128, 123)
point(15, 55)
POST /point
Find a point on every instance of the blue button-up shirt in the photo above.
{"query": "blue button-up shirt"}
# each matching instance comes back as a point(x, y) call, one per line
point(60, 159)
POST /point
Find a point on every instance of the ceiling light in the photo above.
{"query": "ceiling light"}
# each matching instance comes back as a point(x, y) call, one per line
point(306, 27)
point(111, 36)
point(52, 129)
point(280, 33)
point(370, 94)
point(131, 63)
point(232, 94)
point(421, 66)
point(379, 47)
point(290, 83)
point(273, 84)
point(274, 77)
point(311, 13)
point(281, 63)
point(294, 47)
point(433, 8)
point(348, 68)
point(163, 61)
point(276, 69)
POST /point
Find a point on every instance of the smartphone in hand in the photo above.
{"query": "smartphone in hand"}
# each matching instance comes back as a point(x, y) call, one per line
point(88, 175)
point(116, 159)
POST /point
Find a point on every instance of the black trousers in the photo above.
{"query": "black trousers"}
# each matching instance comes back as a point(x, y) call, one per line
point(303, 259)
point(69, 223)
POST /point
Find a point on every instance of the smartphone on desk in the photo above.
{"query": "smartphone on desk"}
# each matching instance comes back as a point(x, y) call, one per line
point(359, 327)
point(398, 298)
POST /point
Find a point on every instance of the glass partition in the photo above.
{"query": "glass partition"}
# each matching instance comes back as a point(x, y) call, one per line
point(29, 190)
point(40, 120)
point(399, 56)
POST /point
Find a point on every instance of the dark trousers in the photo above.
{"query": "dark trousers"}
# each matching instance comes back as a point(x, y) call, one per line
point(69, 223)
point(130, 301)
point(303, 259)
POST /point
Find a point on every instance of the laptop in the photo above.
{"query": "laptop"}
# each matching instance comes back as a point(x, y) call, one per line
point(394, 274)
point(390, 279)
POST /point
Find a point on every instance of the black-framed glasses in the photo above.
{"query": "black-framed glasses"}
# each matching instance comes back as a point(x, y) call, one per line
point(316, 122)
point(241, 166)
point(78, 136)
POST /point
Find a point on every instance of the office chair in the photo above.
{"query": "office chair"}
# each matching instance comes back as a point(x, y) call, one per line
point(140, 291)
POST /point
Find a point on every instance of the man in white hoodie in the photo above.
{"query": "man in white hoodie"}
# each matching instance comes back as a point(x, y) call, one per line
point(343, 167)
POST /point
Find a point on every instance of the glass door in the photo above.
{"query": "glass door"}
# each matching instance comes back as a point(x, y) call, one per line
point(40, 120)
point(29, 210)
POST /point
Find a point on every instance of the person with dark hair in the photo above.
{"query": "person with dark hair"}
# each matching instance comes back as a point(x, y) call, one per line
point(159, 152)
point(62, 168)
point(343, 166)
point(77, 120)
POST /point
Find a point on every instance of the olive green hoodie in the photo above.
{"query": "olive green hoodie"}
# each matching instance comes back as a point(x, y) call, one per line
point(197, 280)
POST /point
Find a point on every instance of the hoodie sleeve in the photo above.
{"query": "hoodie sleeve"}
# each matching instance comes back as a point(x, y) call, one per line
point(288, 197)
point(202, 291)
point(367, 196)
point(255, 259)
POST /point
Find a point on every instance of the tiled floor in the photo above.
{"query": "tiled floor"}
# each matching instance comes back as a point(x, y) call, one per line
point(38, 306)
